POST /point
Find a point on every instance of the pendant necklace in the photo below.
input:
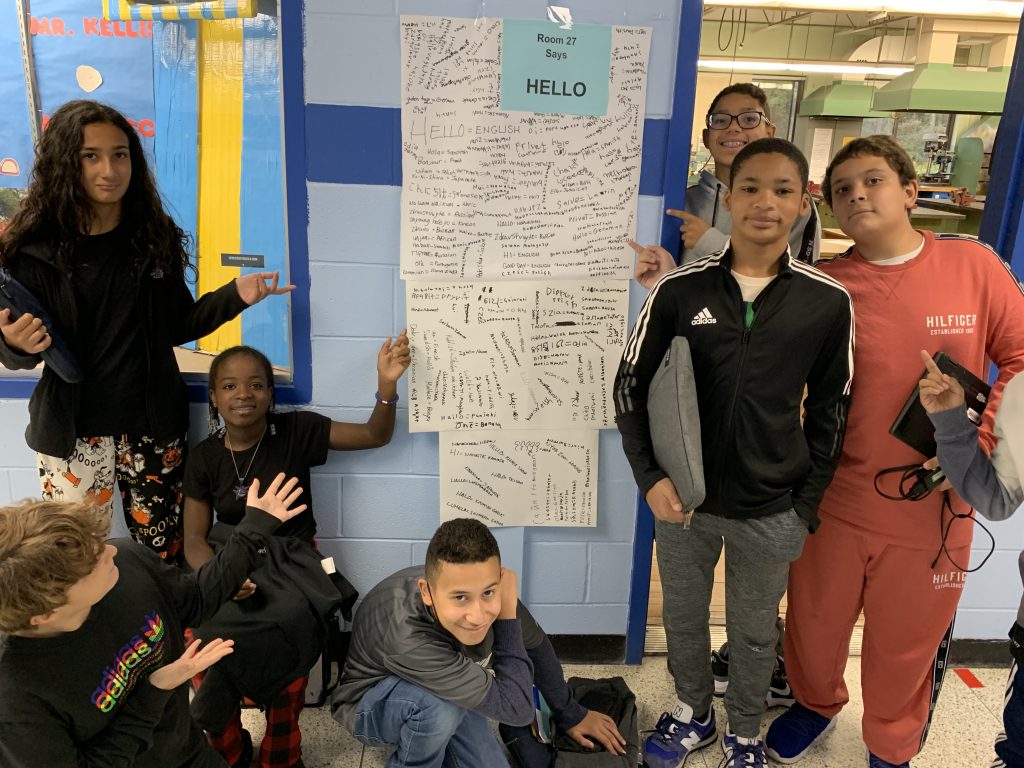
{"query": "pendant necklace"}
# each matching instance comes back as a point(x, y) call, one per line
point(242, 489)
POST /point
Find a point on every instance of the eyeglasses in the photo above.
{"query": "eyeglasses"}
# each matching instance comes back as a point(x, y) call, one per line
point(746, 120)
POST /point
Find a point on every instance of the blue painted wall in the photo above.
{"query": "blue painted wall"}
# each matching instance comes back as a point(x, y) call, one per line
point(376, 509)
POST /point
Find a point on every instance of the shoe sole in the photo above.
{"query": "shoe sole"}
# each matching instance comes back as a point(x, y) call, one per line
point(779, 701)
point(796, 758)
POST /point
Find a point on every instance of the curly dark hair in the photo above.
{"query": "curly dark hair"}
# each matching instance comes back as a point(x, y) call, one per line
point(57, 211)
point(460, 541)
point(884, 147)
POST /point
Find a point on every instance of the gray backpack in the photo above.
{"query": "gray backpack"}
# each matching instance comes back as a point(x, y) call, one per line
point(675, 423)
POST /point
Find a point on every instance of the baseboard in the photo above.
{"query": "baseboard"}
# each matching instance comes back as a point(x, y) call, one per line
point(611, 649)
point(590, 649)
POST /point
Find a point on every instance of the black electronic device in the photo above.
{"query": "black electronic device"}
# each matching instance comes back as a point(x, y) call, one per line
point(913, 426)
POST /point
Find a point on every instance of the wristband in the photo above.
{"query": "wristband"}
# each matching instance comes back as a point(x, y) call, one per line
point(382, 401)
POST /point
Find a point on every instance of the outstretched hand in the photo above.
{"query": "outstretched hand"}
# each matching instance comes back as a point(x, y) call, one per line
point(193, 661)
point(693, 227)
point(26, 335)
point(393, 358)
point(598, 726)
point(652, 262)
point(252, 289)
point(938, 391)
point(278, 499)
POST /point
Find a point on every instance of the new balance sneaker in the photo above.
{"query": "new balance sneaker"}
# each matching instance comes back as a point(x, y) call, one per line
point(794, 731)
point(743, 753)
point(673, 740)
point(779, 692)
point(876, 762)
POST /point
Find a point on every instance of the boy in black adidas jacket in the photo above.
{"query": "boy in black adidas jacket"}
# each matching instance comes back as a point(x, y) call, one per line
point(760, 327)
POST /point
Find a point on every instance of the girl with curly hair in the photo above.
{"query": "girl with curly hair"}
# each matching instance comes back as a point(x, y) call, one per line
point(94, 245)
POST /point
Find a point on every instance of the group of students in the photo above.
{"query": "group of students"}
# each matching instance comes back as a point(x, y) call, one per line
point(795, 443)
point(94, 655)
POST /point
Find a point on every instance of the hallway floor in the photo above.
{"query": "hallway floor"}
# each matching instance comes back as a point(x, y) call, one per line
point(965, 724)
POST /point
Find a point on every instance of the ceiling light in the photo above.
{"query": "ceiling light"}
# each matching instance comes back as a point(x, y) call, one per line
point(798, 67)
point(979, 9)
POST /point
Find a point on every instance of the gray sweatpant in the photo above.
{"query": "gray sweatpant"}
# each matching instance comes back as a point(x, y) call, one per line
point(757, 557)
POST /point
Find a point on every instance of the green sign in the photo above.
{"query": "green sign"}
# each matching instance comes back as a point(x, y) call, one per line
point(545, 68)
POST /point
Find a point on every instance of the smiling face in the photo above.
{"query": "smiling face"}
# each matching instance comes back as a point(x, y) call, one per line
point(81, 597)
point(766, 199)
point(869, 200)
point(465, 598)
point(724, 144)
point(106, 165)
point(241, 392)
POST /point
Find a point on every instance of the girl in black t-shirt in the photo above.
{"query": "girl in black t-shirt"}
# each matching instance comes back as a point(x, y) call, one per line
point(92, 242)
point(250, 441)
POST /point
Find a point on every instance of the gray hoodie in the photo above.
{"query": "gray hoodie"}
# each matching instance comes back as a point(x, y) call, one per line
point(704, 199)
point(993, 487)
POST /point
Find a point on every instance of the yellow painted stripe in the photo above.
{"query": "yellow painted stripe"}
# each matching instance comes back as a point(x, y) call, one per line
point(220, 163)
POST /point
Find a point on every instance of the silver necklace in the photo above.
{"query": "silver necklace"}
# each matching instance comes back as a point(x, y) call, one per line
point(242, 489)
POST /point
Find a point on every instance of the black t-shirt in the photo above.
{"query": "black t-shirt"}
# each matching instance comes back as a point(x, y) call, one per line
point(110, 346)
point(300, 440)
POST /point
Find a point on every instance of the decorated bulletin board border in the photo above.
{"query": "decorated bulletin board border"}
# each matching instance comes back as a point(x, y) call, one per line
point(131, 10)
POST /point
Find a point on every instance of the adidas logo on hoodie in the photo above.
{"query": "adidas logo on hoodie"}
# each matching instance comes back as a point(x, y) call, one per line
point(704, 317)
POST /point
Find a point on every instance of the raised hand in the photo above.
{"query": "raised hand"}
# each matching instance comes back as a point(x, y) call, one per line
point(600, 727)
point(278, 499)
point(652, 262)
point(193, 661)
point(252, 289)
point(937, 391)
point(693, 227)
point(393, 359)
point(26, 335)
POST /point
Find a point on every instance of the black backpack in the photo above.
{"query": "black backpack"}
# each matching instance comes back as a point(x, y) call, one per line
point(609, 695)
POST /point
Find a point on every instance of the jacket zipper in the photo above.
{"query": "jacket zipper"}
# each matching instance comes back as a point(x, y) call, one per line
point(726, 446)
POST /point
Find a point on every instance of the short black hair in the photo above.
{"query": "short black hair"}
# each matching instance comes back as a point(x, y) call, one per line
point(771, 147)
point(747, 89)
point(460, 541)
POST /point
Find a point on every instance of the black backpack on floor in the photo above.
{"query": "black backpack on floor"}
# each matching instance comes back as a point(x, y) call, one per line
point(609, 695)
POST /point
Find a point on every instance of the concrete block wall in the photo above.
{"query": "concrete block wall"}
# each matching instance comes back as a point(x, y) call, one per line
point(376, 509)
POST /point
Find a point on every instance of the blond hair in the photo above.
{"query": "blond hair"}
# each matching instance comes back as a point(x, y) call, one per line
point(45, 548)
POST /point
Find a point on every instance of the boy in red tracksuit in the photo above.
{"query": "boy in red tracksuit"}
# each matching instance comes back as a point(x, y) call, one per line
point(902, 563)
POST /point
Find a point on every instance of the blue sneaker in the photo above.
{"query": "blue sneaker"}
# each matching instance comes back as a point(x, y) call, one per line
point(743, 753)
point(793, 733)
point(876, 762)
point(673, 740)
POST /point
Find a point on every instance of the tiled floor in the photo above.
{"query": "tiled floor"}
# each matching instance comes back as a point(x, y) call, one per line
point(965, 723)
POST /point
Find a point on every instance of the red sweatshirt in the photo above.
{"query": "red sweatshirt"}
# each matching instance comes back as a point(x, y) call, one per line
point(957, 296)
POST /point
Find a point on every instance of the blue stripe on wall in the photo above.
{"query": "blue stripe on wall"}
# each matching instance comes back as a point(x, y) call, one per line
point(362, 145)
point(264, 326)
point(176, 101)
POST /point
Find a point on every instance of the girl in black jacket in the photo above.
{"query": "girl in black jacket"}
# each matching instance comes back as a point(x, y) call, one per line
point(93, 243)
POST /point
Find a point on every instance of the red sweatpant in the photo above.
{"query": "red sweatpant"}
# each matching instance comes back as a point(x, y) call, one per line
point(908, 613)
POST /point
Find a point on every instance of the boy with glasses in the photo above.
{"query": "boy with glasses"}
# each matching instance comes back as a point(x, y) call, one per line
point(738, 115)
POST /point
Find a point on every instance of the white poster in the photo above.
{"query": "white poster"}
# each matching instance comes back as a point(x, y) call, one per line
point(493, 195)
point(514, 355)
point(534, 477)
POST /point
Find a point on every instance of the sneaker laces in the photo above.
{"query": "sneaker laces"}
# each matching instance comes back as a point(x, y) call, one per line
point(751, 754)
